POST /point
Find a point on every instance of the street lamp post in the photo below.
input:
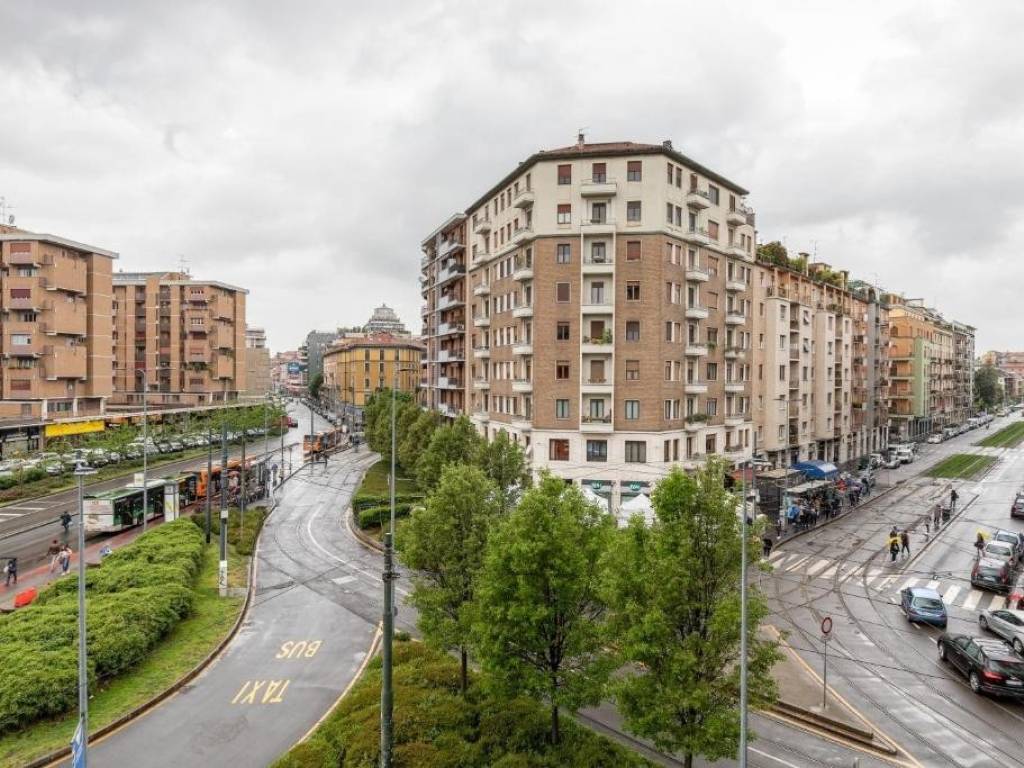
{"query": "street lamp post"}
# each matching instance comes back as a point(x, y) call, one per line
point(209, 479)
point(145, 447)
point(81, 472)
point(223, 571)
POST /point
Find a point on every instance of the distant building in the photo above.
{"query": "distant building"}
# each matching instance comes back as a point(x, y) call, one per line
point(316, 343)
point(257, 363)
point(288, 373)
point(385, 320)
point(356, 368)
point(1011, 362)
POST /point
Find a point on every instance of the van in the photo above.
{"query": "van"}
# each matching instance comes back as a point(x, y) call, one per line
point(905, 455)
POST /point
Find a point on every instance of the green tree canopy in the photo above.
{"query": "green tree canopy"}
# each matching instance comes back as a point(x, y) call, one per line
point(444, 544)
point(416, 438)
point(503, 462)
point(674, 595)
point(315, 383)
point(455, 443)
point(540, 627)
point(986, 386)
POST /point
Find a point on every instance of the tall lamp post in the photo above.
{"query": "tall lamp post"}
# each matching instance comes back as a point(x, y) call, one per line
point(82, 733)
point(145, 445)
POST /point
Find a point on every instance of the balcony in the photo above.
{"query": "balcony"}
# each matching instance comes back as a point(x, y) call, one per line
point(522, 235)
point(482, 384)
point(598, 345)
point(735, 387)
point(523, 349)
point(482, 226)
point(448, 382)
point(481, 353)
point(23, 293)
point(598, 386)
point(451, 272)
point(447, 329)
point(197, 295)
point(597, 226)
point(64, 362)
point(197, 355)
point(482, 416)
point(698, 235)
point(519, 312)
point(696, 387)
point(524, 199)
point(523, 270)
point(448, 247)
point(735, 419)
point(601, 187)
point(448, 301)
point(224, 367)
point(448, 411)
point(596, 423)
point(733, 353)
point(698, 198)
point(603, 307)
point(32, 349)
point(697, 312)
point(794, 351)
point(65, 278)
point(695, 349)
point(738, 215)
point(697, 275)
point(522, 423)
point(23, 258)
point(522, 386)
point(598, 265)
point(451, 356)
point(62, 316)
point(735, 285)
point(735, 318)
point(482, 289)
point(737, 250)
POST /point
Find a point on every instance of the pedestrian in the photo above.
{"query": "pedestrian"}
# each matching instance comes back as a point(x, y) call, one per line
point(979, 542)
point(905, 543)
point(12, 571)
point(53, 552)
point(65, 559)
point(894, 547)
point(894, 532)
point(766, 543)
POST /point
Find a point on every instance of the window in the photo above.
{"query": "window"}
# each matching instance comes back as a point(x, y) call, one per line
point(565, 174)
point(598, 173)
point(564, 213)
point(713, 230)
point(562, 332)
point(632, 370)
point(597, 450)
point(711, 406)
point(563, 253)
point(668, 212)
point(558, 449)
point(561, 409)
point(633, 250)
point(597, 409)
point(633, 290)
point(710, 444)
point(632, 410)
point(633, 210)
point(634, 170)
point(21, 339)
point(632, 330)
point(713, 194)
point(598, 213)
point(562, 370)
point(598, 253)
point(712, 371)
point(636, 451)
point(712, 335)
point(562, 292)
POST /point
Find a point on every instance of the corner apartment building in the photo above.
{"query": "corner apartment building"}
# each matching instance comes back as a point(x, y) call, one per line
point(257, 363)
point(179, 339)
point(356, 368)
point(56, 327)
point(443, 287)
point(1011, 362)
point(929, 388)
point(820, 352)
point(609, 287)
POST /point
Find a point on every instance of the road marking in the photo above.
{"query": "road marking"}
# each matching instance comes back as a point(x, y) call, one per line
point(797, 563)
point(951, 594)
point(931, 585)
point(27, 509)
point(972, 599)
point(776, 556)
point(272, 695)
point(908, 584)
point(342, 580)
point(871, 576)
point(828, 574)
point(884, 583)
point(12, 514)
point(817, 567)
point(299, 649)
point(773, 757)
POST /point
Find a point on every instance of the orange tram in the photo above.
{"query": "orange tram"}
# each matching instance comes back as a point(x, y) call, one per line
point(322, 442)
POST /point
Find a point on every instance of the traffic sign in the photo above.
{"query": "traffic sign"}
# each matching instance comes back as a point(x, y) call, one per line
point(826, 626)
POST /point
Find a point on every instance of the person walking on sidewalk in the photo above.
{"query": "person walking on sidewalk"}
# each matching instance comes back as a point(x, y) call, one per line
point(905, 543)
point(12, 571)
point(766, 546)
point(53, 552)
point(65, 559)
point(894, 547)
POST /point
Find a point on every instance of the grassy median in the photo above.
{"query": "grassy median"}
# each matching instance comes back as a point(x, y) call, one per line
point(962, 466)
point(181, 650)
point(1007, 437)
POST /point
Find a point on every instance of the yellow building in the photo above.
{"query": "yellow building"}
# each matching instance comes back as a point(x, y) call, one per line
point(356, 368)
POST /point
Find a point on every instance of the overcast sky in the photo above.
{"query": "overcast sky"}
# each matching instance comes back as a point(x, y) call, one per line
point(303, 150)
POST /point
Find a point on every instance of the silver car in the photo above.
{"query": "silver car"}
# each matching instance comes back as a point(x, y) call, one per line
point(1008, 624)
point(1000, 550)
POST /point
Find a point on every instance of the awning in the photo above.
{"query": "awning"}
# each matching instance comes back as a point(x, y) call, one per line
point(814, 485)
point(817, 470)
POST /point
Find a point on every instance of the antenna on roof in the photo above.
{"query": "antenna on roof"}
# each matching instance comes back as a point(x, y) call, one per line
point(581, 137)
point(6, 217)
point(814, 249)
point(183, 264)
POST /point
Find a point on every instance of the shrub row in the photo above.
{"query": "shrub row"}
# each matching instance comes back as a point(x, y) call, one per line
point(363, 501)
point(374, 516)
point(243, 540)
point(435, 726)
point(28, 476)
point(133, 600)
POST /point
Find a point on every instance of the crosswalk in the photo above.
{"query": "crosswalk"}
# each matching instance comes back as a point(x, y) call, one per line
point(956, 592)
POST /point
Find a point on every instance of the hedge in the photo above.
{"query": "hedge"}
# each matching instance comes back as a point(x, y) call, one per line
point(435, 726)
point(135, 598)
point(374, 516)
point(363, 501)
point(244, 542)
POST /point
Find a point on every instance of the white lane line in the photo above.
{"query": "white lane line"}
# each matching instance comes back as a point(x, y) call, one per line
point(15, 514)
point(884, 583)
point(776, 556)
point(871, 575)
point(906, 585)
point(947, 598)
point(27, 509)
point(931, 585)
point(972, 599)
point(797, 563)
point(828, 574)
point(764, 754)
point(813, 570)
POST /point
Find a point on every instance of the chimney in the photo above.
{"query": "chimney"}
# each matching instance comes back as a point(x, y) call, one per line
point(580, 140)
point(667, 144)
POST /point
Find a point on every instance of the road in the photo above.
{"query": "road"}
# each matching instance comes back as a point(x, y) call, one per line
point(27, 527)
point(314, 615)
point(881, 664)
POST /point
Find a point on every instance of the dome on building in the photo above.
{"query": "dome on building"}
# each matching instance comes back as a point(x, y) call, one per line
point(385, 320)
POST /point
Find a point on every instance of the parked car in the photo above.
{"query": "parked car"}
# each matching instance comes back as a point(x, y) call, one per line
point(1000, 550)
point(991, 574)
point(292, 421)
point(177, 445)
point(934, 438)
point(1014, 539)
point(892, 462)
point(1008, 624)
point(990, 665)
point(905, 455)
point(923, 605)
point(1017, 508)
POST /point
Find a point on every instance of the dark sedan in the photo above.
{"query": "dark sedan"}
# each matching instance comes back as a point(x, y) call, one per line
point(990, 665)
point(988, 573)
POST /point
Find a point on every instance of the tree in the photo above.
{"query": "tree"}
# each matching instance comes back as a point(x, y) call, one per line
point(674, 598)
point(314, 385)
point(377, 420)
point(503, 462)
point(416, 438)
point(540, 625)
point(455, 443)
point(986, 386)
point(443, 543)
point(773, 253)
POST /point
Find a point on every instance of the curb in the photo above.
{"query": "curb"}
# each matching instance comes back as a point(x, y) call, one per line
point(58, 755)
point(841, 516)
point(367, 541)
point(818, 720)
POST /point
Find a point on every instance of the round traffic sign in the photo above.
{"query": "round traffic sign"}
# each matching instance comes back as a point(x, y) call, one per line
point(826, 626)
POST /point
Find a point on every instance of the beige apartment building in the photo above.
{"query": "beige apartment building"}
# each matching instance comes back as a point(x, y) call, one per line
point(820, 359)
point(184, 338)
point(55, 303)
point(257, 363)
point(609, 288)
point(357, 367)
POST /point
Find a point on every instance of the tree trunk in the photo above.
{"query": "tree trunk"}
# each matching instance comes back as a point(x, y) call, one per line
point(555, 736)
point(688, 760)
point(465, 670)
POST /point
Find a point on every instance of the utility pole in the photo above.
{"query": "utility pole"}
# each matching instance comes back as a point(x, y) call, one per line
point(209, 479)
point(81, 471)
point(312, 437)
point(241, 491)
point(386, 694)
point(743, 612)
point(223, 572)
point(145, 446)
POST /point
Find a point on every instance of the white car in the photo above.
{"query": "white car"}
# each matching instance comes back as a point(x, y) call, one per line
point(935, 438)
point(1009, 625)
